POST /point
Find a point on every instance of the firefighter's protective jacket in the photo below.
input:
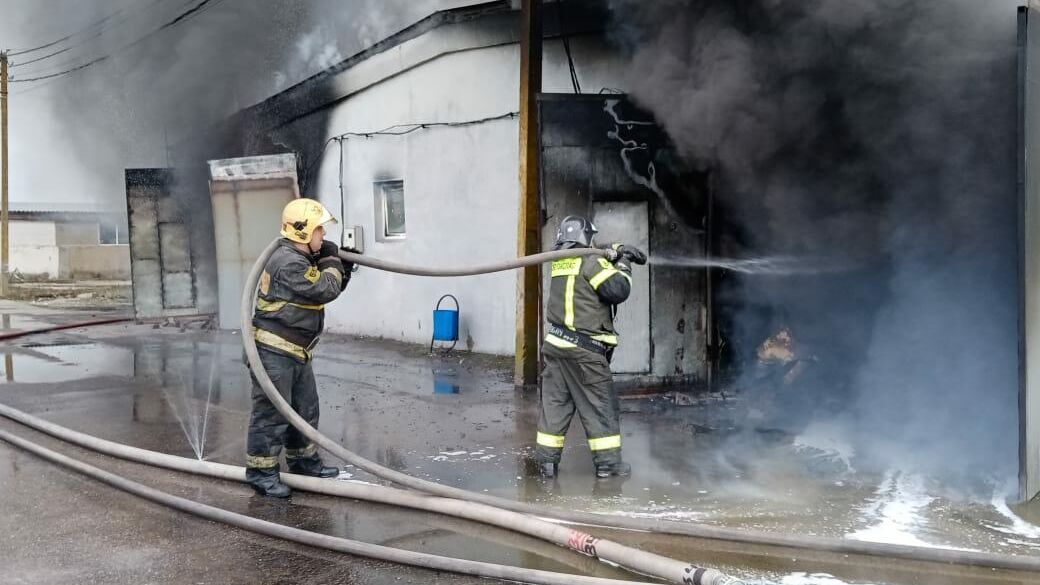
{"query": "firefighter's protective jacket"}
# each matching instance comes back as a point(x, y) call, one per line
point(290, 305)
point(582, 295)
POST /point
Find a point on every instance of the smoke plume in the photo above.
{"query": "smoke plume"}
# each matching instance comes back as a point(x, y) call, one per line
point(877, 133)
point(74, 135)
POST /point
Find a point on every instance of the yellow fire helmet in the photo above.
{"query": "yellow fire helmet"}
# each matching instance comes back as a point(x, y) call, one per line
point(301, 216)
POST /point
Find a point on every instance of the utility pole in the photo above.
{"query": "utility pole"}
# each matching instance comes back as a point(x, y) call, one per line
point(529, 285)
point(4, 225)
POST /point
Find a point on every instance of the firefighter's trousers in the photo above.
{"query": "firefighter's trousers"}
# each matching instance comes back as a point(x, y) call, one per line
point(268, 429)
point(578, 380)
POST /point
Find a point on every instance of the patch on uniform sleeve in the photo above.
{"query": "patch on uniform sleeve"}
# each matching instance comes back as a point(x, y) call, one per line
point(312, 274)
point(265, 283)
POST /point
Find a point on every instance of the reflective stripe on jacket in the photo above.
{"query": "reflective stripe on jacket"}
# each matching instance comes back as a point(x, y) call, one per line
point(582, 294)
point(290, 304)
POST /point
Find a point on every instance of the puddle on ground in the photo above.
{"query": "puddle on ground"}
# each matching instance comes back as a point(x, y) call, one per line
point(190, 395)
point(66, 363)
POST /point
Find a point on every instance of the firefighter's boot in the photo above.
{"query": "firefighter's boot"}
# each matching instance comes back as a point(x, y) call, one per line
point(619, 469)
point(313, 467)
point(266, 482)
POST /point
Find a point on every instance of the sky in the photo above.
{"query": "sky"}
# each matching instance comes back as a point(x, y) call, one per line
point(72, 136)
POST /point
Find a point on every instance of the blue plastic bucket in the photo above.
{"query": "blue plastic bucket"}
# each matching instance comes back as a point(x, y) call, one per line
point(446, 321)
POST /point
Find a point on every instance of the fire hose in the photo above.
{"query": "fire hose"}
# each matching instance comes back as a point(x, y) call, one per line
point(834, 545)
point(494, 510)
point(305, 537)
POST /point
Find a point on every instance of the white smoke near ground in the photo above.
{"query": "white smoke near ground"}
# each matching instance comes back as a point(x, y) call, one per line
point(881, 132)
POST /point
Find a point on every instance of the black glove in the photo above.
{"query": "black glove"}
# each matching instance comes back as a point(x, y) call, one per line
point(332, 262)
point(634, 254)
point(328, 249)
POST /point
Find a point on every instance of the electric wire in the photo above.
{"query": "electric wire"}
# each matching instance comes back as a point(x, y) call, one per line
point(199, 8)
point(567, 46)
point(94, 24)
point(83, 41)
point(398, 130)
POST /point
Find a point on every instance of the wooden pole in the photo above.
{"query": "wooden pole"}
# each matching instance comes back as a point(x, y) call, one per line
point(529, 287)
point(4, 238)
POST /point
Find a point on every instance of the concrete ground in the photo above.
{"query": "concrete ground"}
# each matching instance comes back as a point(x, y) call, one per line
point(456, 420)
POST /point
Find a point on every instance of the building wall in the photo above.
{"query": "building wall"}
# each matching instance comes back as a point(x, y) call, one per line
point(52, 249)
point(32, 233)
point(461, 183)
point(107, 262)
point(77, 234)
point(36, 260)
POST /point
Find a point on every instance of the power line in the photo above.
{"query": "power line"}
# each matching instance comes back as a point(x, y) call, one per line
point(101, 31)
point(567, 46)
point(399, 130)
point(199, 8)
point(92, 25)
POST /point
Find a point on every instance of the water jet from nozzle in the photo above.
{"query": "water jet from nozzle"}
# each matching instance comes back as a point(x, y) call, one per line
point(767, 266)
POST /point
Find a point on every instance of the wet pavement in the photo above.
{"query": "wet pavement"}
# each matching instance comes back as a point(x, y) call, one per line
point(457, 420)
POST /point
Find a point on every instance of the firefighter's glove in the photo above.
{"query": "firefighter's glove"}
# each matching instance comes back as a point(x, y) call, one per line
point(635, 255)
point(332, 262)
point(349, 266)
point(328, 249)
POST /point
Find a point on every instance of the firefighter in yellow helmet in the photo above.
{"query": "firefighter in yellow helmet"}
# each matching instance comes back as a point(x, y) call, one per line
point(303, 274)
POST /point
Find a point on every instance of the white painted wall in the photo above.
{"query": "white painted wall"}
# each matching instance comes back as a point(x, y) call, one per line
point(460, 198)
point(36, 260)
point(33, 233)
point(461, 184)
point(64, 250)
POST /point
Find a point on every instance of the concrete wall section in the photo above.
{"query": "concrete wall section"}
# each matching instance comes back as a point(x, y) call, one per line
point(461, 197)
point(36, 260)
point(33, 233)
point(105, 262)
point(78, 234)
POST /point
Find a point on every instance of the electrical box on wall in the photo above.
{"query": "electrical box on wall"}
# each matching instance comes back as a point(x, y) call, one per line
point(354, 238)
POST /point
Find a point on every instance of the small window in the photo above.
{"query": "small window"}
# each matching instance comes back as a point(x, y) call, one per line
point(108, 232)
point(390, 221)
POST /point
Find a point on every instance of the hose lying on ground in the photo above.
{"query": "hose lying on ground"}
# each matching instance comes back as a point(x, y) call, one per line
point(486, 506)
point(8, 335)
point(835, 545)
point(353, 490)
point(354, 547)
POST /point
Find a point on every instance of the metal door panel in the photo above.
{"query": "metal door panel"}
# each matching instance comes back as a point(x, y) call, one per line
point(629, 223)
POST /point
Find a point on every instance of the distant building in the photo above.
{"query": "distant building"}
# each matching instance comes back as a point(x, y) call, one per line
point(68, 240)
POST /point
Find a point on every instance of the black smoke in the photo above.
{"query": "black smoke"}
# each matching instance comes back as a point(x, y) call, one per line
point(161, 98)
point(880, 134)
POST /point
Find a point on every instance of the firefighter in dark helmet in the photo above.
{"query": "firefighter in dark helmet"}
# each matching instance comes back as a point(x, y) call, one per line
point(580, 339)
point(303, 274)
